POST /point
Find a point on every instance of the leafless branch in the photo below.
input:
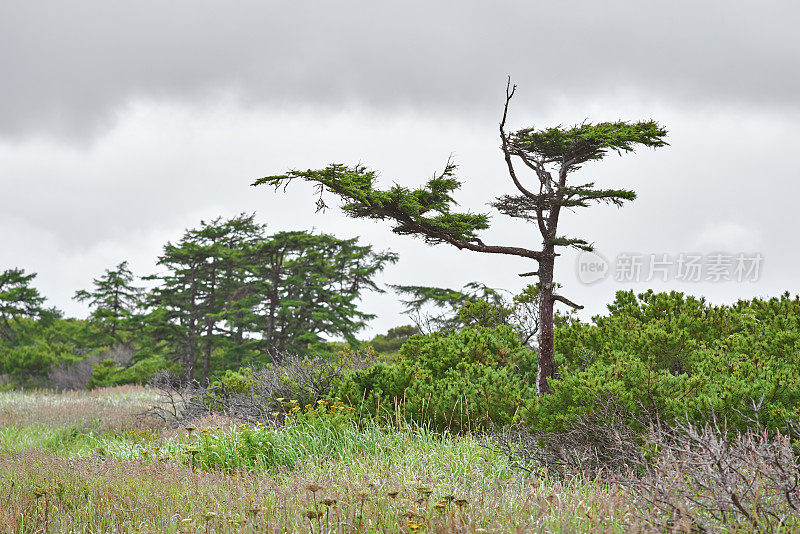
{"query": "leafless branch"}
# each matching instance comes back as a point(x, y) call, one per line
point(567, 302)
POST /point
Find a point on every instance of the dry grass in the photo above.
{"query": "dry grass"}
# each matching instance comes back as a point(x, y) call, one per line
point(108, 408)
point(82, 462)
point(53, 493)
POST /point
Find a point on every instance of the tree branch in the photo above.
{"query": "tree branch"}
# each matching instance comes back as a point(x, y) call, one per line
point(504, 140)
point(478, 246)
point(566, 301)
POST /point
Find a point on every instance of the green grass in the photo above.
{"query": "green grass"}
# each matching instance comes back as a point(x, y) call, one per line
point(87, 463)
point(88, 475)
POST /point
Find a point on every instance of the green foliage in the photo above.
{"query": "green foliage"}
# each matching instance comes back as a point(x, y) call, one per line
point(476, 378)
point(114, 301)
point(437, 308)
point(18, 300)
point(108, 372)
point(321, 430)
point(33, 360)
point(232, 295)
point(425, 211)
point(677, 356)
point(588, 141)
point(44, 344)
point(391, 342)
point(104, 373)
point(240, 381)
point(242, 449)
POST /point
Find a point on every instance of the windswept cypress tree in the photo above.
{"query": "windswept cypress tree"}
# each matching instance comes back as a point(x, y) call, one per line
point(551, 155)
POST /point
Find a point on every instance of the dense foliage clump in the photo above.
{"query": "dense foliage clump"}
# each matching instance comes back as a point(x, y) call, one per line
point(671, 356)
point(477, 377)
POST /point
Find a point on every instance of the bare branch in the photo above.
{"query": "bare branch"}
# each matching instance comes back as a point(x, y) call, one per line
point(567, 302)
point(504, 140)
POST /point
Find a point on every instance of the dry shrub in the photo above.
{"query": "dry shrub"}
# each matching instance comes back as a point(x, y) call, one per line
point(76, 375)
point(306, 379)
point(686, 477)
point(291, 377)
point(704, 477)
point(607, 439)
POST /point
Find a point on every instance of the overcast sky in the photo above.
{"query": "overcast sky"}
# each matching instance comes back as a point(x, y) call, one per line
point(124, 123)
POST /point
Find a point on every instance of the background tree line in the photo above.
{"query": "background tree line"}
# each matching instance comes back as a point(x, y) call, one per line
point(227, 294)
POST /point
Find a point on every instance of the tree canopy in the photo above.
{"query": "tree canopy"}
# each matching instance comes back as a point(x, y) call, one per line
point(19, 300)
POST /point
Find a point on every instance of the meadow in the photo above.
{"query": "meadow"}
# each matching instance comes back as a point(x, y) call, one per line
point(89, 462)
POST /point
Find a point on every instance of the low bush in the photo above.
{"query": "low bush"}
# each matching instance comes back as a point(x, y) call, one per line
point(258, 395)
point(28, 363)
point(605, 440)
point(476, 378)
point(670, 356)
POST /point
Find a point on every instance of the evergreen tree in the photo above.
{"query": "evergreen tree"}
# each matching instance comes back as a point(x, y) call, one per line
point(435, 309)
point(473, 305)
point(311, 285)
point(113, 300)
point(193, 291)
point(552, 155)
point(18, 300)
point(230, 294)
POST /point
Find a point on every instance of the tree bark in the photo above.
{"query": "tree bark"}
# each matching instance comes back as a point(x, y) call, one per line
point(547, 364)
point(210, 308)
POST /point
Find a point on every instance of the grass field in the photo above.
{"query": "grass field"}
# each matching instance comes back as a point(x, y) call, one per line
point(85, 462)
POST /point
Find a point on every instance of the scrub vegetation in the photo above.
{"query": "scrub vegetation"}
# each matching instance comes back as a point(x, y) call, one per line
point(209, 397)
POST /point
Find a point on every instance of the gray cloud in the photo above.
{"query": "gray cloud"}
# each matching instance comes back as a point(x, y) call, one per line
point(69, 66)
point(122, 123)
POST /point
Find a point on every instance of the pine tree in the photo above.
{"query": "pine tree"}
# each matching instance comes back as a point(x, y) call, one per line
point(552, 155)
point(113, 301)
point(230, 293)
point(18, 300)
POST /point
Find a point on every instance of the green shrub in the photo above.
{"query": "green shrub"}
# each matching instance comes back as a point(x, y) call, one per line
point(33, 360)
point(391, 342)
point(104, 373)
point(239, 381)
point(108, 372)
point(675, 356)
point(232, 383)
point(476, 378)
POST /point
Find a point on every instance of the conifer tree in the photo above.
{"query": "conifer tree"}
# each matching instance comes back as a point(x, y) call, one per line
point(551, 155)
point(18, 300)
point(233, 294)
point(113, 300)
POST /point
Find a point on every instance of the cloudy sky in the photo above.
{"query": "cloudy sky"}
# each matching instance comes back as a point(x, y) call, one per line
point(123, 123)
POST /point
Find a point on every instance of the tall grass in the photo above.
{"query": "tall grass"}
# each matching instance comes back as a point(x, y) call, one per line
point(320, 472)
point(315, 474)
point(405, 491)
